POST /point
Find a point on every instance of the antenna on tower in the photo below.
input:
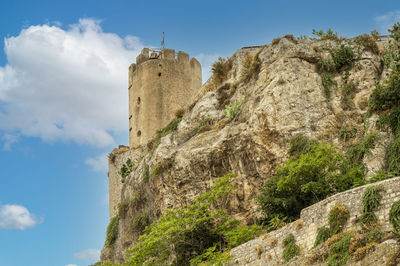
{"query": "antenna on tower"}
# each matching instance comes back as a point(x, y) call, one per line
point(162, 42)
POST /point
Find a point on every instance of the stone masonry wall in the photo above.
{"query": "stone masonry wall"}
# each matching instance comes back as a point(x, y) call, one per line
point(267, 249)
point(117, 158)
point(159, 85)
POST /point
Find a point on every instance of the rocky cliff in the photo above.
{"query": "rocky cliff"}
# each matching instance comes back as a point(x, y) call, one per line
point(242, 122)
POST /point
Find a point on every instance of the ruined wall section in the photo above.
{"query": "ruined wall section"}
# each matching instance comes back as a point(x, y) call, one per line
point(116, 159)
point(159, 84)
point(268, 249)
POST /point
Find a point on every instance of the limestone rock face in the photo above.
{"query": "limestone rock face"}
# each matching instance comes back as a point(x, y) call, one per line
point(282, 98)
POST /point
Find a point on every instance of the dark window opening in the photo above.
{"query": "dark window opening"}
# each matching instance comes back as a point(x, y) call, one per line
point(138, 100)
point(139, 133)
point(159, 74)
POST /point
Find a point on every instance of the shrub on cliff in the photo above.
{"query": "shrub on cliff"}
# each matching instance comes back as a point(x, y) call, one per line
point(112, 231)
point(343, 58)
point(301, 182)
point(198, 233)
point(385, 100)
point(220, 69)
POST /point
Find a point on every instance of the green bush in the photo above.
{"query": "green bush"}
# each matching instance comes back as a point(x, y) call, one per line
point(275, 223)
point(348, 92)
point(339, 252)
point(291, 250)
point(220, 70)
point(329, 35)
point(326, 65)
point(299, 183)
point(233, 109)
point(393, 157)
point(199, 233)
point(343, 58)
point(140, 221)
point(373, 237)
point(327, 83)
point(379, 176)
point(356, 152)
point(112, 231)
point(211, 256)
point(337, 219)
point(387, 95)
point(371, 199)
point(300, 145)
point(126, 169)
point(241, 234)
point(394, 217)
point(394, 120)
point(323, 233)
point(391, 57)
point(368, 42)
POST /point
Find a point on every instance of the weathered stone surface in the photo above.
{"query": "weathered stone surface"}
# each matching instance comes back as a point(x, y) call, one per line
point(283, 99)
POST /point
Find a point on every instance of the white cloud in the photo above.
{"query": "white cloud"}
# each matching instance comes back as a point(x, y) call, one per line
point(71, 265)
point(99, 164)
point(206, 61)
point(387, 20)
point(89, 254)
point(66, 84)
point(9, 139)
point(16, 217)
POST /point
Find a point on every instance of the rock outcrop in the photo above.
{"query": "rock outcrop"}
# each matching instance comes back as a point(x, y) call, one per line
point(280, 97)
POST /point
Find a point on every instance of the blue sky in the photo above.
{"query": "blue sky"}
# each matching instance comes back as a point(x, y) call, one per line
point(63, 99)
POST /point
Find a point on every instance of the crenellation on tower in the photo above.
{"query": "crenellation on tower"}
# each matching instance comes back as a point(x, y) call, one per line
point(168, 54)
point(183, 57)
point(160, 83)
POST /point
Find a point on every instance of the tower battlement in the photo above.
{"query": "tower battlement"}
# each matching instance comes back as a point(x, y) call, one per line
point(160, 83)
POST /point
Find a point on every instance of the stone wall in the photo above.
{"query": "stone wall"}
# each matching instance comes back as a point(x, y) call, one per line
point(268, 248)
point(159, 84)
point(117, 158)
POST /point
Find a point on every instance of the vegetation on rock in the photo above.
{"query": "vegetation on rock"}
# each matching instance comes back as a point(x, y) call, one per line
point(112, 231)
point(394, 218)
point(233, 109)
point(320, 172)
point(371, 199)
point(197, 233)
point(337, 219)
point(126, 169)
point(291, 250)
point(220, 70)
point(323, 233)
point(339, 251)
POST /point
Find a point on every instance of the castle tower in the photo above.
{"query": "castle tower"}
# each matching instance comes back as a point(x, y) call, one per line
point(159, 84)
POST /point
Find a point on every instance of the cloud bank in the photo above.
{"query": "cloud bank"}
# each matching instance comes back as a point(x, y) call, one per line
point(98, 164)
point(89, 254)
point(66, 84)
point(16, 217)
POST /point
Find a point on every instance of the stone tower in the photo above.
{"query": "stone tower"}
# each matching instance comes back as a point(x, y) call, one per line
point(159, 84)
